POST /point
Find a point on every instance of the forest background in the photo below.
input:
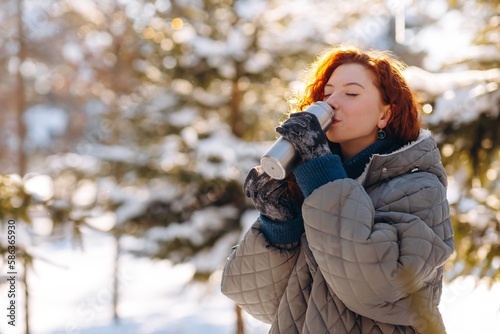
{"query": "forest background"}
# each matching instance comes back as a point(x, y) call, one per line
point(128, 127)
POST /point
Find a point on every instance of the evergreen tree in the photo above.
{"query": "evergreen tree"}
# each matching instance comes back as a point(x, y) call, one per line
point(214, 73)
point(471, 150)
point(462, 103)
point(170, 103)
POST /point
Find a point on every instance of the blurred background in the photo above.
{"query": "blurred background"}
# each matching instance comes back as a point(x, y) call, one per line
point(128, 127)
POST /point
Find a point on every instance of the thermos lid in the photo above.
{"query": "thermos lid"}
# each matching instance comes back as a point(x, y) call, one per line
point(273, 167)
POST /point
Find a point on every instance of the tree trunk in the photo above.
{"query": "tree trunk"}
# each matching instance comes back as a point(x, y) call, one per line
point(240, 328)
point(116, 270)
point(235, 119)
point(21, 134)
point(25, 261)
point(20, 93)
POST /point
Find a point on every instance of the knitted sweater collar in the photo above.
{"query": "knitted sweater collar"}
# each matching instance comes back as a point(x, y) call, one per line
point(355, 166)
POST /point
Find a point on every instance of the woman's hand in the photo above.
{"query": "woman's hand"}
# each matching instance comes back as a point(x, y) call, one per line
point(304, 131)
point(279, 200)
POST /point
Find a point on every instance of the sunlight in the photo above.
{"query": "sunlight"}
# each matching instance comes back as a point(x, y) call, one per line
point(129, 126)
point(445, 39)
point(40, 186)
point(103, 222)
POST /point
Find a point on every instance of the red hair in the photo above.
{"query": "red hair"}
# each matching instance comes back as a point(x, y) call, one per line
point(404, 123)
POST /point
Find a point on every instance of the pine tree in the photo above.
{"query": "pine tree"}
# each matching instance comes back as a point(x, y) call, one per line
point(462, 102)
point(170, 103)
point(475, 148)
point(217, 73)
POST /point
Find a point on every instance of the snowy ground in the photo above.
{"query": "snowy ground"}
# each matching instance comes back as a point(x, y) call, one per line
point(76, 297)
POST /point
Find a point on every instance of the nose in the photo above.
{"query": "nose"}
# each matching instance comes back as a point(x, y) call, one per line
point(331, 101)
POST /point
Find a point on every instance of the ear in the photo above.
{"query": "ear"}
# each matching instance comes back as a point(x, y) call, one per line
point(385, 116)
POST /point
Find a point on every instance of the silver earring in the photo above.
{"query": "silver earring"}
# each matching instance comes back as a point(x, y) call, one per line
point(380, 134)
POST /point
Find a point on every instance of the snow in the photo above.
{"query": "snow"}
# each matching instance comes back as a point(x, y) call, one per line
point(43, 123)
point(38, 24)
point(197, 229)
point(235, 46)
point(463, 106)
point(183, 117)
point(460, 97)
point(88, 9)
point(41, 187)
point(73, 294)
point(449, 36)
point(477, 53)
point(437, 84)
point(72, 52)
point(84, 163)
point(85, 194)
point(118, 153)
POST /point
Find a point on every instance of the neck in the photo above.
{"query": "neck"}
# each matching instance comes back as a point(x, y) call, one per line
point(350, 149)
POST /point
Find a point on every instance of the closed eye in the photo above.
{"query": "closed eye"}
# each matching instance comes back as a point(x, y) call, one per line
point(351, 94)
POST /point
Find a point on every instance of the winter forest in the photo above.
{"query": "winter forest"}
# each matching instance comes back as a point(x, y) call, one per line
point(128, 127)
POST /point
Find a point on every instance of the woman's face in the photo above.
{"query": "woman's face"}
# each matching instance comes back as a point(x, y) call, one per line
point(359, 111)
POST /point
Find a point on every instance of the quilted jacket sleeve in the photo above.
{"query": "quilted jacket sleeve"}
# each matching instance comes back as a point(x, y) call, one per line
point(256, 274)
point(376, 260)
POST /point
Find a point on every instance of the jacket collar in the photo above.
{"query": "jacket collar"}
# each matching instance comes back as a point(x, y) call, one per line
point(419, 155)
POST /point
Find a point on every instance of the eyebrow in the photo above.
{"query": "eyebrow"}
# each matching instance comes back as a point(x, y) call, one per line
point(347, 84)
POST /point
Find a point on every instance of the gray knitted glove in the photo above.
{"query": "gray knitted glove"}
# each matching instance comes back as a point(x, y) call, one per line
point(279, 200)
point(304, 131)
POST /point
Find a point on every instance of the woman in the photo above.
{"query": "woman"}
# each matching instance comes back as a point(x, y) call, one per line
point(359, 245)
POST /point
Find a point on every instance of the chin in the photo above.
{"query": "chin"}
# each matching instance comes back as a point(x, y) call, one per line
point(331, 138)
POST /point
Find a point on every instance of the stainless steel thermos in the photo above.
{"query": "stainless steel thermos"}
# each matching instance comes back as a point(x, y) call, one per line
point(281, 158)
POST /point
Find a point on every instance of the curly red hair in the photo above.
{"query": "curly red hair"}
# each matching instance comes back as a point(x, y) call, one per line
point(404, 123)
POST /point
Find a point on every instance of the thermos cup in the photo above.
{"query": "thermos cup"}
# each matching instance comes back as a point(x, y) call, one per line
point(281, 158)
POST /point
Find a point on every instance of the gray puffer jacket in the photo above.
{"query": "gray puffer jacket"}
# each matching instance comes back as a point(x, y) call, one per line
point(371, 258)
